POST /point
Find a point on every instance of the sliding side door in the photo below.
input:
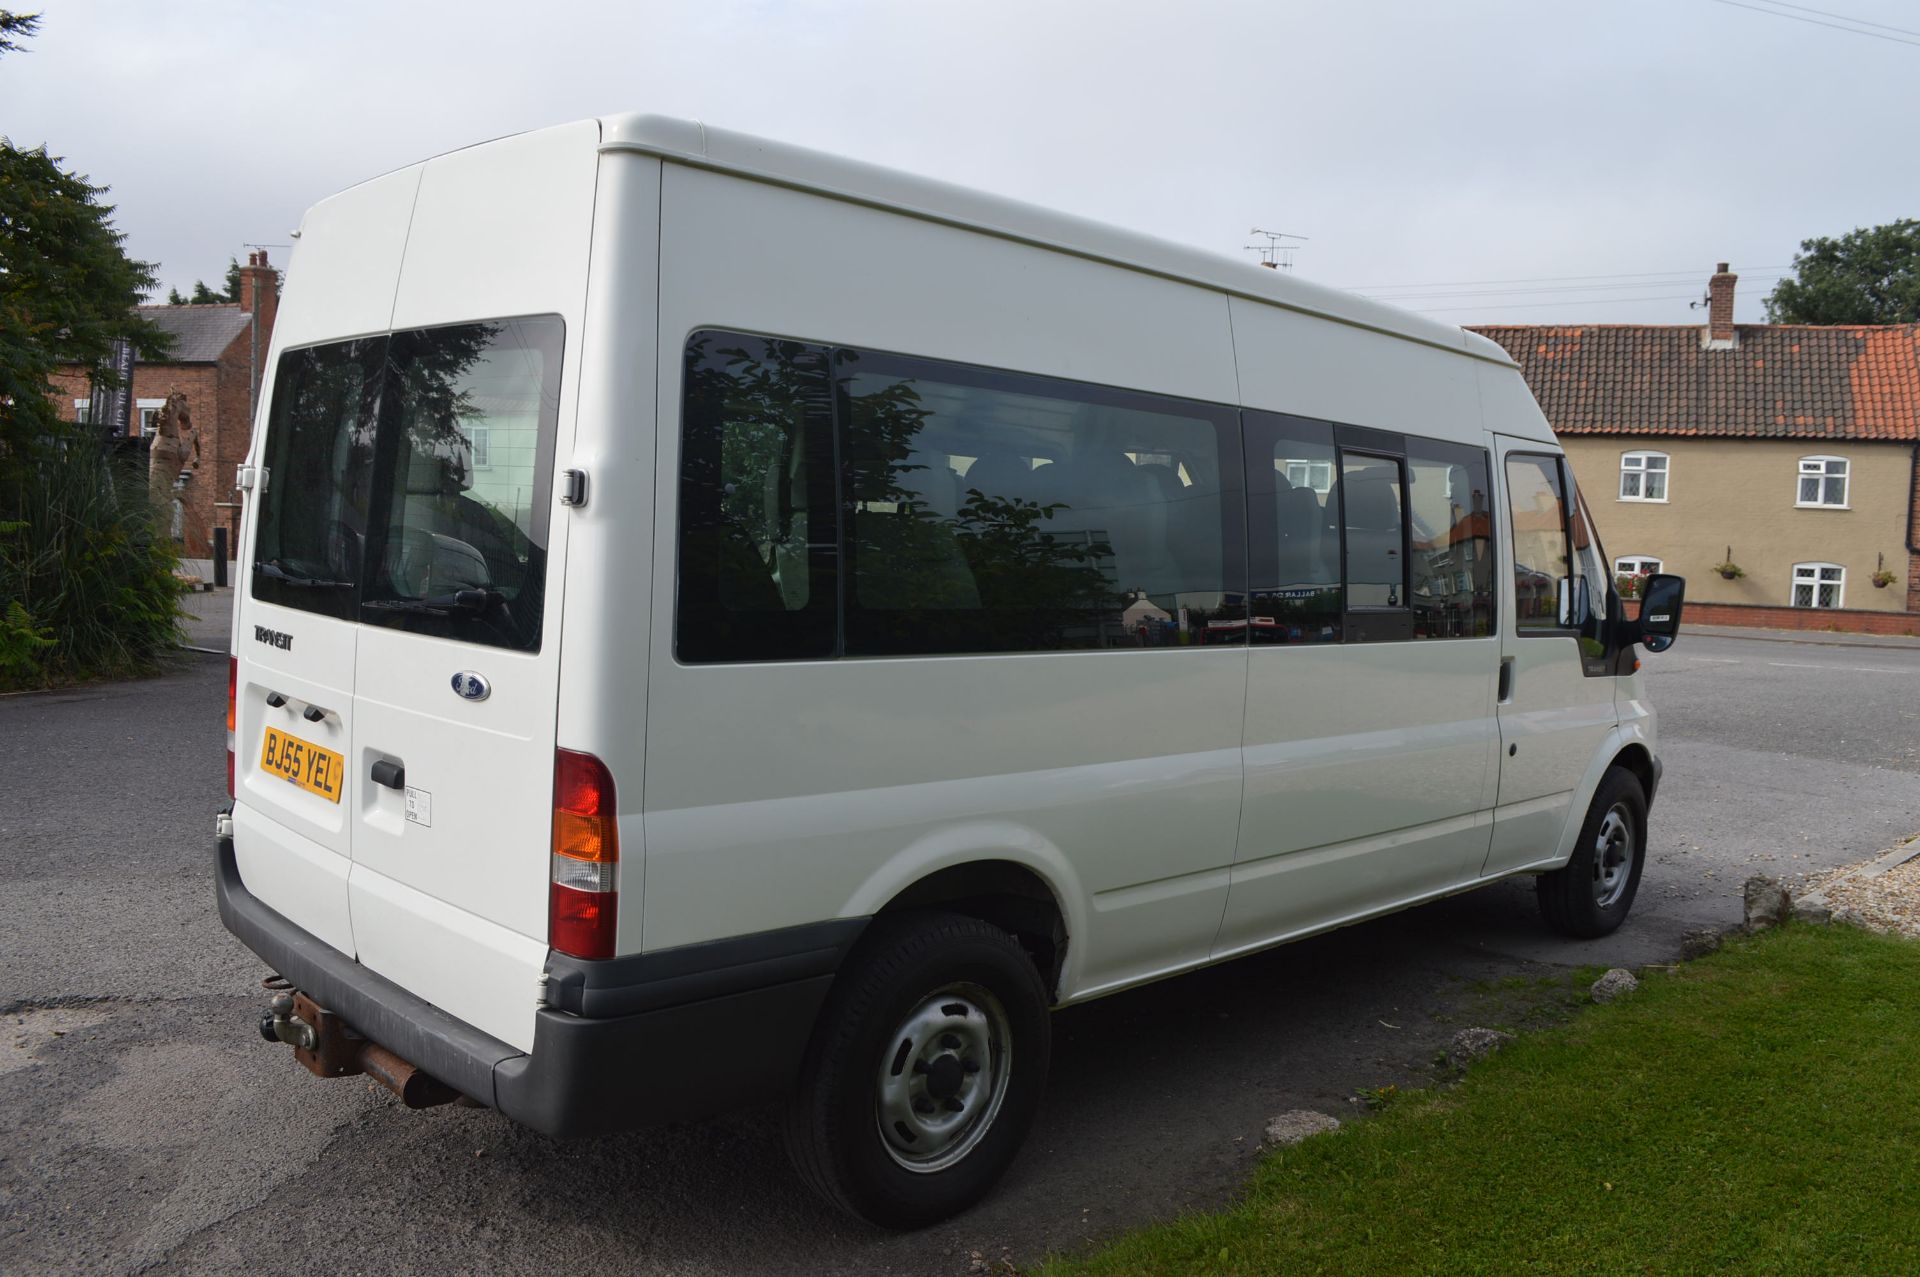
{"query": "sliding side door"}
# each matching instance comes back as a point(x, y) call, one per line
point(1369, 732)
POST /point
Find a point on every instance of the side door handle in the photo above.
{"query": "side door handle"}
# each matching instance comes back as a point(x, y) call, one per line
point(1506, 680)
point(389, 773)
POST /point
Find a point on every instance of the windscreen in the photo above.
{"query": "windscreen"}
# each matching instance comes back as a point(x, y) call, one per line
point(408, 480)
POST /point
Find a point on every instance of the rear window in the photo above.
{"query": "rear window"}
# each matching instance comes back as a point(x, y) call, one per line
point(408, 480)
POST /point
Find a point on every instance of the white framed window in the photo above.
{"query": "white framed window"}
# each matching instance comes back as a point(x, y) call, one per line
point(82, 411)
point(1823, 482)
point(1317, 475)
point(1819, 585)
point(1635, 568)
point(149, 413)
point(1643, 476)
point(480, 444)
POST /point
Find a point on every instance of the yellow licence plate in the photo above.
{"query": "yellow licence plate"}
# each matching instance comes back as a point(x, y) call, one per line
point(316, 770)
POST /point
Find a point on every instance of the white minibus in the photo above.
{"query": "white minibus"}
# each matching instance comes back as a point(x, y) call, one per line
point(721, 624)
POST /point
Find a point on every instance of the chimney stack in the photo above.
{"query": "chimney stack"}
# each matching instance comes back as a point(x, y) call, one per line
point(259, 288)
point(260, 298)
point(1720, 333)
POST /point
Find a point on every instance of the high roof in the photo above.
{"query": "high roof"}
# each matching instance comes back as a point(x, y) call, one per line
point(1784, 381)
point(201, 334)
point(690, 142)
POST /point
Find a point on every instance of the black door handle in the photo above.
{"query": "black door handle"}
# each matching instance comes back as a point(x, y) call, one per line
point(389, 773)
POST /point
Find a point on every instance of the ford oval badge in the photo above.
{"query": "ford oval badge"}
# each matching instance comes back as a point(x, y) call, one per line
point(471, 686)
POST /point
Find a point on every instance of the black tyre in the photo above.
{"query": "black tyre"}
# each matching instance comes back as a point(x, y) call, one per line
point(924, 1072)
point(1591, 896)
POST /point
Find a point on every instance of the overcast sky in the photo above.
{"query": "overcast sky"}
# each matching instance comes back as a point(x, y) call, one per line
point(1428, 149)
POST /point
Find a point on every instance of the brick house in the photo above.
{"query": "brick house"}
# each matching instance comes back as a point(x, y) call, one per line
point(219, 357)
point(1793, 449)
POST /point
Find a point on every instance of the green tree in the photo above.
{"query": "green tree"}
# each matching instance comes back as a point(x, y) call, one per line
point(202, 295)
point(85, 579)
point(1867, 276)
point(68, 291)
point(15, 27)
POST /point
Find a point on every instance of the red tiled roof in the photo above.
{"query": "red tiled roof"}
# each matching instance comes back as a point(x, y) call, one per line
point(1784, 381)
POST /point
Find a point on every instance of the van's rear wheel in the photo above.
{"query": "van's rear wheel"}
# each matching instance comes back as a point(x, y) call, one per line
point(924, 1072)
point(1591, 896)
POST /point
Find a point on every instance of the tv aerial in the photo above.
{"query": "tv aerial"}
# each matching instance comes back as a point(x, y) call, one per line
point(1276, 253)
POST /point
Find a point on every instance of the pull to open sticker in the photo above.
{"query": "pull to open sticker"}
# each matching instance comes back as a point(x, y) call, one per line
point(419, 807)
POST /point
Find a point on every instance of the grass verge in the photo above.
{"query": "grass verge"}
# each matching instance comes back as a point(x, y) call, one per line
point(1754, 1112)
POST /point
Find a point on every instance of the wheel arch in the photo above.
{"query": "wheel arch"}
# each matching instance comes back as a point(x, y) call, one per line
point(1008, 890)
point(1625, 746)
point(1638, 759)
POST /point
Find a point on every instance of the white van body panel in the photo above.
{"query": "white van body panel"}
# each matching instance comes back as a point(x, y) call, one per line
point(303, 881)
point(1298, 363)
point(345, 265)
point(1127, 759)
point(845, 181)
point(603, 680)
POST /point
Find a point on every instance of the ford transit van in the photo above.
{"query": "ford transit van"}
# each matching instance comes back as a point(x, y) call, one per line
point(681, 666)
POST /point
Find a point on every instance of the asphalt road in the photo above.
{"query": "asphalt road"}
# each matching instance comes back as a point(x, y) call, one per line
point(144, 1127)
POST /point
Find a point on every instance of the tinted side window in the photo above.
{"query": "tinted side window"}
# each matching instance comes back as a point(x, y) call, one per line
point(1540, 557)
point(1293, 516)
point(1451, 540)
point(1593, 589)
point(757, 527)
point(319, 460)
point(994, 512)
point(1373, 504)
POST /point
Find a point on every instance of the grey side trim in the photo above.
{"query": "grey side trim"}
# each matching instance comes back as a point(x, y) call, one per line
point(695, 972)
point(450, 1049)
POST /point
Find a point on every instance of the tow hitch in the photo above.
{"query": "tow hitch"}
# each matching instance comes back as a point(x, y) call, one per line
point(327, 1047)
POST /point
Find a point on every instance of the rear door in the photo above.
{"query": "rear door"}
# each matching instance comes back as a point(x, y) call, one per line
point(459, 647)
point(1556, 687)
point(452, 751)
point(295, 641)
point(295, 644)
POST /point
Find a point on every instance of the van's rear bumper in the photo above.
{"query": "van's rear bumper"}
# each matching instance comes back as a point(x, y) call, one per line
point(722, 1028)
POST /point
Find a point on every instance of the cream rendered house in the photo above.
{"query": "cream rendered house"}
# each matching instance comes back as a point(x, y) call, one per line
point(1786, 450)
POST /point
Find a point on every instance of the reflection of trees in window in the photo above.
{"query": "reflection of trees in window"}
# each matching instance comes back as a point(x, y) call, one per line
point(474, 570)
point(319, 462)
point(919, 572)
point(757, 441)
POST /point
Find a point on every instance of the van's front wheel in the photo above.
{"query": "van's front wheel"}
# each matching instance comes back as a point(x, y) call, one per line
point(1591, 896)
point(924, 1072)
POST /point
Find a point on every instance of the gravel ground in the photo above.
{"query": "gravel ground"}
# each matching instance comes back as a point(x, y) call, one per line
point(1887, 900)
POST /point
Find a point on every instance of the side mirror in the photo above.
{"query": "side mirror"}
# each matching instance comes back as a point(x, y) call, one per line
point(1660, 602)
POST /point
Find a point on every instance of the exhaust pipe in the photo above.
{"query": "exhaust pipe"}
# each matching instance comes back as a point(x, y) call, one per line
point(324, 1044)
point(416, 1090)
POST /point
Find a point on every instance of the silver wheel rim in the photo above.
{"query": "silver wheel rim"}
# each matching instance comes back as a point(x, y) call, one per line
point(943, 1077)
point(1612, 856)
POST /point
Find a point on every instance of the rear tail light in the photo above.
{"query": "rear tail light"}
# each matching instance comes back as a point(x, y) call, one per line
point(233, 687)
point(583, 901)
